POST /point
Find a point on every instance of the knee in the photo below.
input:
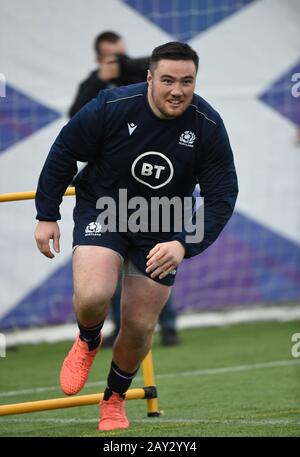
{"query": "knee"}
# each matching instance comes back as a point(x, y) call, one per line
point(138, 327)
point(87, 301)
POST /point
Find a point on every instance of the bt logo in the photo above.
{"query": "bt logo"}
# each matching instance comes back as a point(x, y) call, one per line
point(153, 169)
point(147, 169)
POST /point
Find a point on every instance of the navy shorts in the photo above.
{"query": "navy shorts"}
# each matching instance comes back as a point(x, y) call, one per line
point(131, 246)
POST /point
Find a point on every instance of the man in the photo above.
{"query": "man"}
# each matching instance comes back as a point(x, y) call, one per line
point(115, 69)
point(154, 139)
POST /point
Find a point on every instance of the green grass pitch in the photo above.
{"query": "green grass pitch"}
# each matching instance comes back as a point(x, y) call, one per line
point(238, 380)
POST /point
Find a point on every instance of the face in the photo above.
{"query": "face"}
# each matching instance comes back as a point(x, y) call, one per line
point(108, 49)
point(171, 87)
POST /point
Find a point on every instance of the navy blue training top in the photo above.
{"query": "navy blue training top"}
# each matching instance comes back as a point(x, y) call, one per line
point(128, 147)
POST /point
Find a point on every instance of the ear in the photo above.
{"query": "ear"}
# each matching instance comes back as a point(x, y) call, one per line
point(149, 77)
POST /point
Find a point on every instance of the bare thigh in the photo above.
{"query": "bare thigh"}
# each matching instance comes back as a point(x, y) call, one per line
point(95, 274)
point(142, 301)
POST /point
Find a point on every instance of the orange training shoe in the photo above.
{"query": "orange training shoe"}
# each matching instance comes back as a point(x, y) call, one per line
point(112, 413)
point(76, 366)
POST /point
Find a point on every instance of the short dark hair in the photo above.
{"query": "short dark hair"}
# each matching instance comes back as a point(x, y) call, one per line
point(173, 50)
point(109, 36)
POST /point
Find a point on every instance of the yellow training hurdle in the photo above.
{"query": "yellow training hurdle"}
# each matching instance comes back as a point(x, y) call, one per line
point(148, 392)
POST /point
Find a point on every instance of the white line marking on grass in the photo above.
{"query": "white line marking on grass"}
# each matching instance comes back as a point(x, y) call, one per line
point(56, 420)
point(212, 371)
point(207, 372)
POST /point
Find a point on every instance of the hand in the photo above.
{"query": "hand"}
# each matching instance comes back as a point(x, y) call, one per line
point(44, 232)
point(109, 69)
point(163, 258)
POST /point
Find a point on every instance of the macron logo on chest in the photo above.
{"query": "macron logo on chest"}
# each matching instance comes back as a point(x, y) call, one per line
point(131, 128)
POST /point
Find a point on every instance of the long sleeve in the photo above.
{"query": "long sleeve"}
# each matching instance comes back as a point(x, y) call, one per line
point(219, 188)
point(79, 140)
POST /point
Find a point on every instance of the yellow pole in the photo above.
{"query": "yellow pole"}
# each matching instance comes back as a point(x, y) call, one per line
point(149, 381)
point(29, 195)
point(147, 364)
point(67, 402)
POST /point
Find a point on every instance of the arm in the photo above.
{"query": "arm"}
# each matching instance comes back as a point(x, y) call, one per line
point(79, 140)
point(218, 182)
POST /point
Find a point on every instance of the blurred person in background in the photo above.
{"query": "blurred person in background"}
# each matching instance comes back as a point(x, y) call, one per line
point(115, 69)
